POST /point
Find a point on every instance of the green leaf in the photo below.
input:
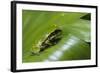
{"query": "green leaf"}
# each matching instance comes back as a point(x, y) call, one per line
point(80, 29)
point(38, 25)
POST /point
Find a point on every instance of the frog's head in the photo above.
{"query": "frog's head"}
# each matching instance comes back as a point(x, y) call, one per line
point(35, 48)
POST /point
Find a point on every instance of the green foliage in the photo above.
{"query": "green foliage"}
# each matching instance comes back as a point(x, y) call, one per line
point(75, 37)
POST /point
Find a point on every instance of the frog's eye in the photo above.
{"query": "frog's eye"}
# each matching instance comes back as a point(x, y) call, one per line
point(51, 40)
